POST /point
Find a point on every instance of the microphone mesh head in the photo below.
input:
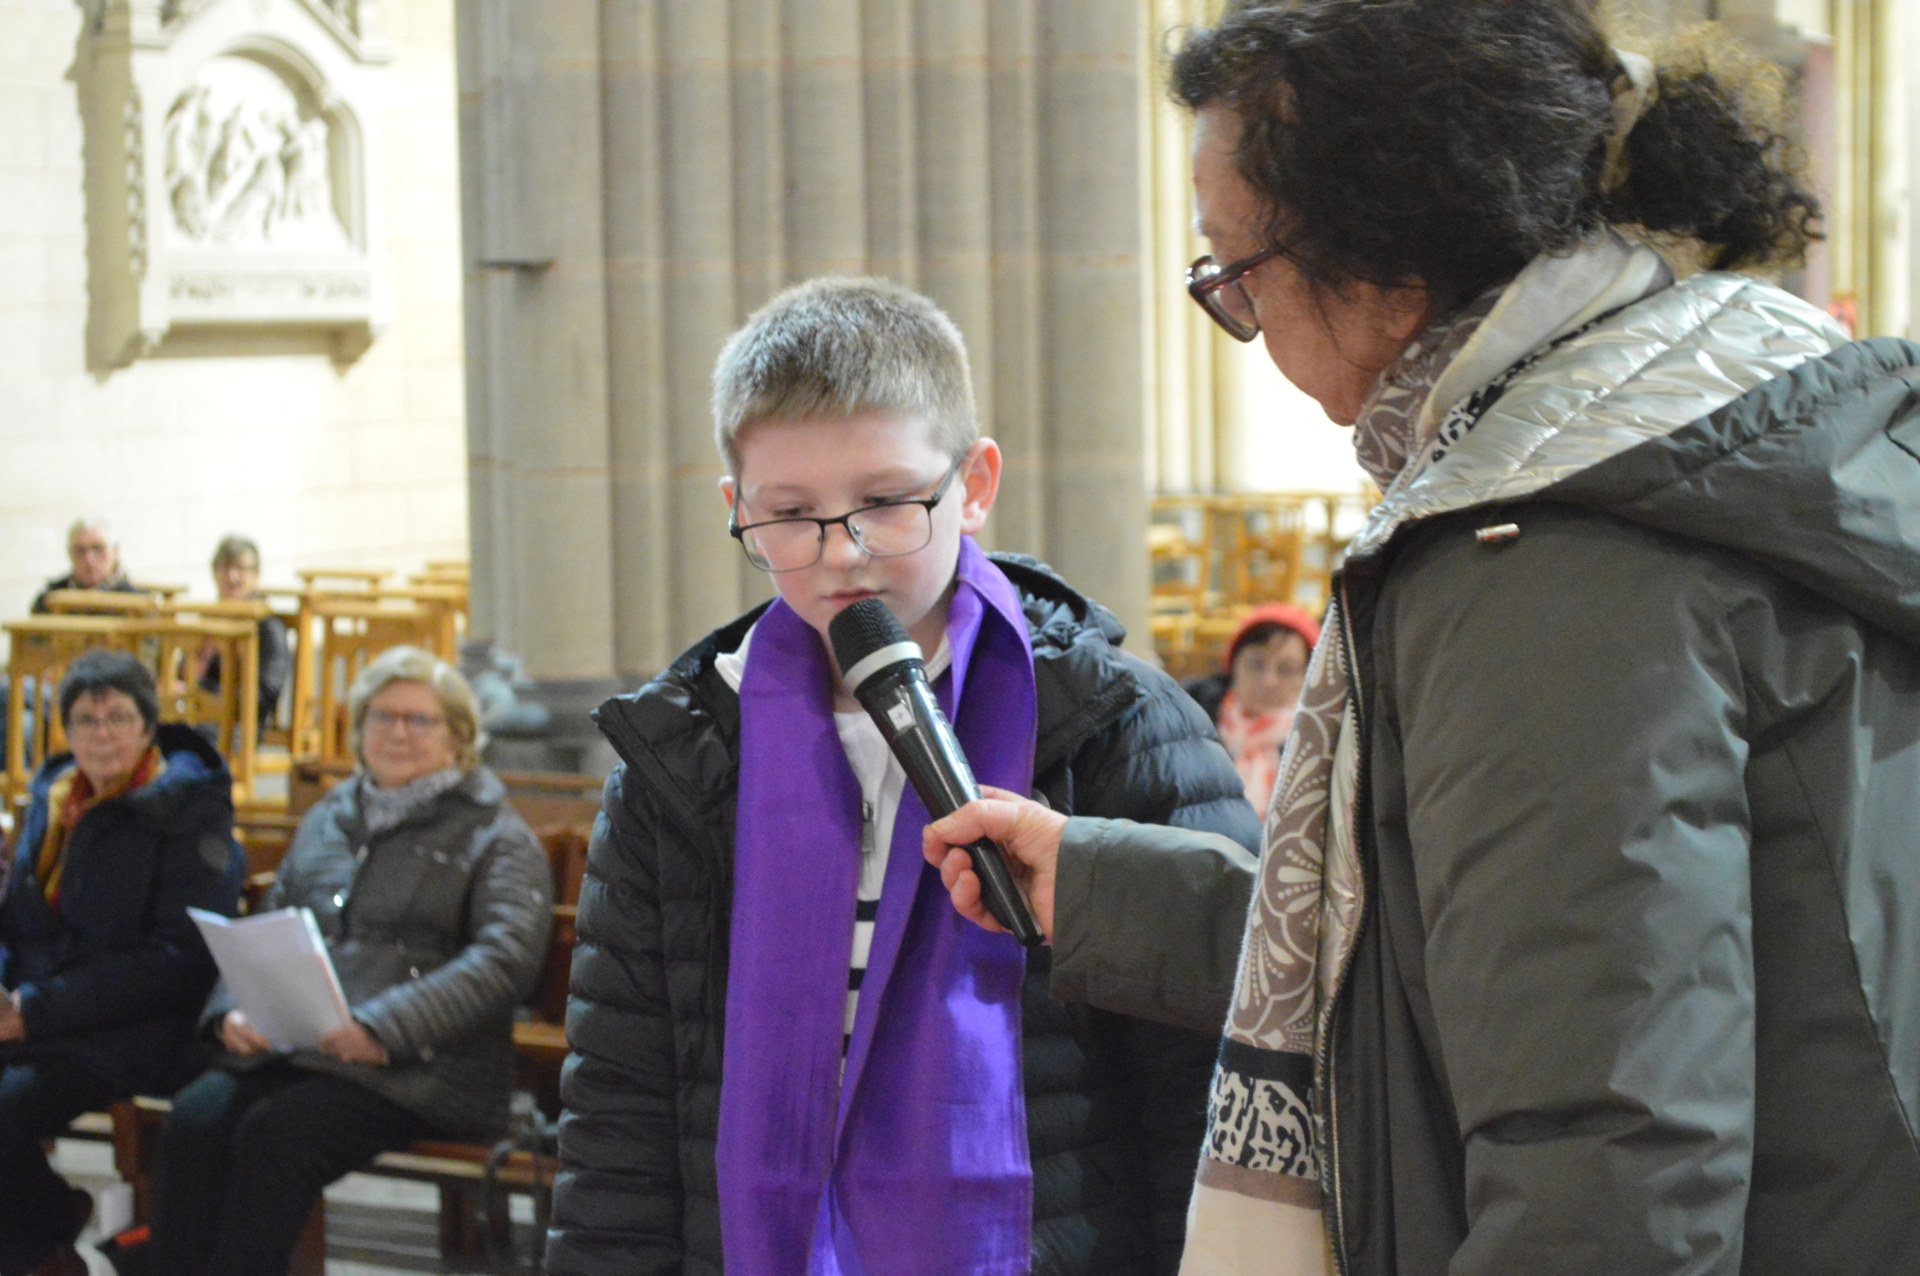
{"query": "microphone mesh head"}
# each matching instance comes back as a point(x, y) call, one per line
point(862, 629)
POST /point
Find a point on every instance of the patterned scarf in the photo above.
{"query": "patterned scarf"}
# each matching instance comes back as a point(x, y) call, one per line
point(1254, 742)
point(71, 797)
point(384, 808)
point(1390, 430)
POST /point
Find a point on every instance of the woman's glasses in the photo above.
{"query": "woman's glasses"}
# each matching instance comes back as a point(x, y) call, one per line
point(1221, 294)
point(418, 723)
point(111, 723)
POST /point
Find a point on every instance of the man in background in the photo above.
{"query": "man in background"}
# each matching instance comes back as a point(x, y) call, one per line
point(94, 557)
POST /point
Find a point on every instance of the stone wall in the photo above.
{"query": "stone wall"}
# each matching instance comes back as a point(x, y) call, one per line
point(324, 462)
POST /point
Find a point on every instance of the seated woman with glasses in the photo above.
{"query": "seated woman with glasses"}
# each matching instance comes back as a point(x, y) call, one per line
point(434, 899)
point(104, 972)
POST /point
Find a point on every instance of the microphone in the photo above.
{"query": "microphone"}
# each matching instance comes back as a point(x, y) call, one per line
point(886, 673)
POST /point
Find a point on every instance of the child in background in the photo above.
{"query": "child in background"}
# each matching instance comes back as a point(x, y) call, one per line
point(1253, 700)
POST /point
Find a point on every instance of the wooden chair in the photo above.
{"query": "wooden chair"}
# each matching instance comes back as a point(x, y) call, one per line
point(39, 651)
point(1180, 550)
point(1264, 550)
point(339, 637)
point(364, 579)
point(99, 602)
point(445, 604)
point(443, 572)
point(173, 649)
point(273, 750)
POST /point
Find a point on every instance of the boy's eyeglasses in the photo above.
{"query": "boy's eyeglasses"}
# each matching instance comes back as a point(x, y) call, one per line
point(1221, 294)
point(885, 530)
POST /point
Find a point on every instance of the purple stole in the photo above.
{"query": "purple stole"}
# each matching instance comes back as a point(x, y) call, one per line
point(918, 1161)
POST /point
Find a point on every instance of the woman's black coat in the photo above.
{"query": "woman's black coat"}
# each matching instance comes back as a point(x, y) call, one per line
point(115, 980)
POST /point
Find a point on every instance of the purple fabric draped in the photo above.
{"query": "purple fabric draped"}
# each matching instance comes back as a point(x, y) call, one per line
point(918, 1162)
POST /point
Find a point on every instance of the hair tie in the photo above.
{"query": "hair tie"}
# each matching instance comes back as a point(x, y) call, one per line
point(1634, 90)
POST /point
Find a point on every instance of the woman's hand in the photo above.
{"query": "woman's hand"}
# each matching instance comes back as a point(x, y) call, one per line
point(354, 1044)
point(1026, 830)
point(12, 1026)
point(238, 1036)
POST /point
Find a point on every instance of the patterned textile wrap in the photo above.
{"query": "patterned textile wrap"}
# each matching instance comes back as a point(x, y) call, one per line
point(1260, 1137)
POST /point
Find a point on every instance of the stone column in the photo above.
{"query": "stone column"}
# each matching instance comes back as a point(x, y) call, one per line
point(536, 332)
point(1092, 331)
point(679, 163)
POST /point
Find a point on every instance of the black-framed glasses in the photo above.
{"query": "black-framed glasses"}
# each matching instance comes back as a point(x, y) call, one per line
point(887, 529)
point(1221, 294)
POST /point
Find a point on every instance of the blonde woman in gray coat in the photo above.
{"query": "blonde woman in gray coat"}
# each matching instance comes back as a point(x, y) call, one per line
point(434, 899)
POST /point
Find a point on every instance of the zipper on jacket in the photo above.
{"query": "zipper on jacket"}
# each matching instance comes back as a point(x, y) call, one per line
point(345, 894)
point(1323, 1051)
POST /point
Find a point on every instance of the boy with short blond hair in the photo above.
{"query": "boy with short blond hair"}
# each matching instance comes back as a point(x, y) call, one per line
point(789, 1054)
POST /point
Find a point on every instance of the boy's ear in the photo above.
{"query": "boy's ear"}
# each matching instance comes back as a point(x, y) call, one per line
point(981, 474)
point(727, 490)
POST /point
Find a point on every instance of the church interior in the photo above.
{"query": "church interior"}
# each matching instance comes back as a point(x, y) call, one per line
point(421, 299)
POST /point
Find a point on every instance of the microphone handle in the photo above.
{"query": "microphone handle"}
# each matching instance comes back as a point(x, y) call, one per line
point(1002, 897)
point(918, 733)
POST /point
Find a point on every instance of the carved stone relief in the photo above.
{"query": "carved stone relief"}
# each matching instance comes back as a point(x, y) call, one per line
point(246, 166)
point(230, 151)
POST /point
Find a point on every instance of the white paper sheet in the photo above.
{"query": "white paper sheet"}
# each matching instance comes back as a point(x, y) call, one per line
point(276, 966)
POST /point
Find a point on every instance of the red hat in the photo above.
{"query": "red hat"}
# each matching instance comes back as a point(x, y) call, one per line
point(1274, 614)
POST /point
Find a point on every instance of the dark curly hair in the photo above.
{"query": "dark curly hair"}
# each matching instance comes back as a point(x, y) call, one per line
point(1453, 141)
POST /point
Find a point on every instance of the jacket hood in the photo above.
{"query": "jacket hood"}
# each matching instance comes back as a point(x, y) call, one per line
point(681, 702)
point(195, 771)
point(1720, 410)
point(1055, 610)
point(1816, 475)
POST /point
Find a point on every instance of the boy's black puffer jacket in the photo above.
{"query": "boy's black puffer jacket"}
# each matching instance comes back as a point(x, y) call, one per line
point(1115, 1106)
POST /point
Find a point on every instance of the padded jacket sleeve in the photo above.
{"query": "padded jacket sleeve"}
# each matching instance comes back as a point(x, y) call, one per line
point(1577, 826)
point(617, 1198)
point(1155, 868)
point(1148, 920)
